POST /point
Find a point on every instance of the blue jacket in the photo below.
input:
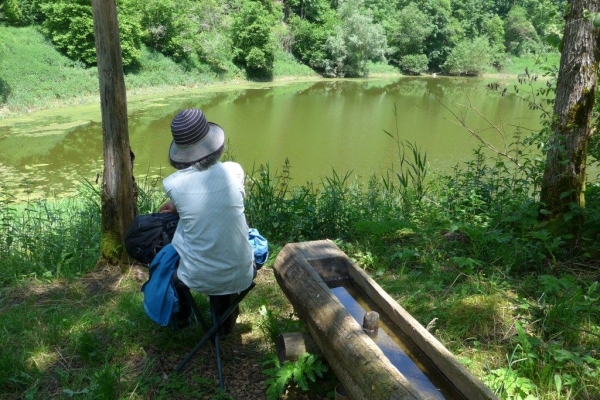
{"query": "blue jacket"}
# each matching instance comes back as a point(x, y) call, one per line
point(160, 297)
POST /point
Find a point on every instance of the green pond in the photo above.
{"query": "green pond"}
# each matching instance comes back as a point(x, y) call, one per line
point(319, 126)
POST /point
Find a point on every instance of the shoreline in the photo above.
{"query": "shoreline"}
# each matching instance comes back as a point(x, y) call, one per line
point(141, 92)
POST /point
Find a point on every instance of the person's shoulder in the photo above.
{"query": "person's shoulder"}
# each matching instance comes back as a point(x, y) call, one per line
point(175, 177)
point(232, 166)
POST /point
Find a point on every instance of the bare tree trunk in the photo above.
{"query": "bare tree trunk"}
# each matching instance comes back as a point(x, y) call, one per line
point(118, 187)
point(564, 175)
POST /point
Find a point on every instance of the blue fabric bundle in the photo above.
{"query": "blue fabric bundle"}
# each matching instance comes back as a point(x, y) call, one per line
point(160, 297)
point(260, 246)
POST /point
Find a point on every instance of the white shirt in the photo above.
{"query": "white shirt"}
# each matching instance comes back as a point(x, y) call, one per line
point(212, 234)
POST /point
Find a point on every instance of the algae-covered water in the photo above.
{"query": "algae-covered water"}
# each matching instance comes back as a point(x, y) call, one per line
point(319, 126)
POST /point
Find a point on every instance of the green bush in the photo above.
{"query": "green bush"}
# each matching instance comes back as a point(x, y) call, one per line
point(469, 57)
point(521, 37)
point(20, 12)
point(314, 11)
point(166, 28)
point(310, 39)
point(411, 29)
point(355, 42)
point(253, 46)
point(70, 26)
point(414, 64)
point(215, 51)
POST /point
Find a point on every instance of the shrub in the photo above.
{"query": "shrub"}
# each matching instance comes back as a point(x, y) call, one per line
point(253, 47)
point(310, 40)
point(356, 41)
point(70, 26)
point(414, 64)
point(166, 28)
point(412, 27)
point(469, 57)
point(20, 12)
point(521, 37)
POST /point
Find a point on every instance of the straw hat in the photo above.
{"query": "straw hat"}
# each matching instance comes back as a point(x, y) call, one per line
point(194, 138)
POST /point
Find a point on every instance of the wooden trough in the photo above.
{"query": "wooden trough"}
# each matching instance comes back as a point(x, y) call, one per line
point(307, 272)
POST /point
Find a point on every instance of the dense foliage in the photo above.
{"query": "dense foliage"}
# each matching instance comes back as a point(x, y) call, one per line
point(335, 38)
point(253, 46)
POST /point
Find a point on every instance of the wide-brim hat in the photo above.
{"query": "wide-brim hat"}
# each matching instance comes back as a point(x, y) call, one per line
point(194, 138)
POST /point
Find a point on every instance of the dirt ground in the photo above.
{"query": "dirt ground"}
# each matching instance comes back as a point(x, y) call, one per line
point(242, 356)
point(243, 351)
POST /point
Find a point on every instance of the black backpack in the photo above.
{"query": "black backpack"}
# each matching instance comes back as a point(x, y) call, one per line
point(148, 234)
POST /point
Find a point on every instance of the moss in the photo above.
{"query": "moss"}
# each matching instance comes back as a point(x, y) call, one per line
point(111, 247)
point(572, 115)
point(482, 316)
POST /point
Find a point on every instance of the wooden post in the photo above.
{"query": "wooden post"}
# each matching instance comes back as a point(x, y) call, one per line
point(119, 195)
point(371, 324)
point(290, 346)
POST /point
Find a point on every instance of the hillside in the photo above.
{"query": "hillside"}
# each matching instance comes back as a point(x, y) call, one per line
point(34, 75)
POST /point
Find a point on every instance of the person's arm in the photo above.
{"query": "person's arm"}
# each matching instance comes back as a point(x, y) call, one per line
point(168, 207)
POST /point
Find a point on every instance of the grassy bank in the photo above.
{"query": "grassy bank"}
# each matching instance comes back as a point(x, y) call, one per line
point(463, 253)
point(33, 75)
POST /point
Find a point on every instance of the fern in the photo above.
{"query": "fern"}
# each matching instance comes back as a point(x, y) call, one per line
point(306, 368)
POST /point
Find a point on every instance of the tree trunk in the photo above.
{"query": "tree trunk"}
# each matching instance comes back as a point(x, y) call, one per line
point(564, 174)
point(118, 195)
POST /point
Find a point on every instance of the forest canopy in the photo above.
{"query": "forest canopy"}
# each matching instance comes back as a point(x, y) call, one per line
point(336, 38)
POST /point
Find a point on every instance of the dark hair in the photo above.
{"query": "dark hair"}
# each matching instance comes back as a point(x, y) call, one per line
point(202, 164)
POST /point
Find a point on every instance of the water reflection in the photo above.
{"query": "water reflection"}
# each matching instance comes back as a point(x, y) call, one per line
point(319, 126)
point(399, 349)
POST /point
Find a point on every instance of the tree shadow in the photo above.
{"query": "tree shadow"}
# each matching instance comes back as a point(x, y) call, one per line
point(5, 90)
point(259, 75)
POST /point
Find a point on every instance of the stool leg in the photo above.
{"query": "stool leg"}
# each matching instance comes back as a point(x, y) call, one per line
point(213, 330)
point(215, 320)
point(196, 311)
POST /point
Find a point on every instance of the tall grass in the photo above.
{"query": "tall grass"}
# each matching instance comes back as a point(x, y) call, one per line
point(48, 240)
point(332, 209)
point(517, 65)
point(469, 258)
point(286, 65)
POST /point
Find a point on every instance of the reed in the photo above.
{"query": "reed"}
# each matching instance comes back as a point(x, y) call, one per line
point(48, 239)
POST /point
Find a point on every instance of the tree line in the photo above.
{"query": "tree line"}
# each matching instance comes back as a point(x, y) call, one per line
point(336, 38)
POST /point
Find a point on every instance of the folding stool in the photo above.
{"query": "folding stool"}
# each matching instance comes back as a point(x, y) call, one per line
point(214, 332)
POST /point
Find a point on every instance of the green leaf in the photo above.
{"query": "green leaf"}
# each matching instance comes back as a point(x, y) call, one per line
point(558, 382)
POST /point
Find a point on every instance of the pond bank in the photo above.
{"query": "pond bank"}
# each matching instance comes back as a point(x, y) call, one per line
point(137, 92)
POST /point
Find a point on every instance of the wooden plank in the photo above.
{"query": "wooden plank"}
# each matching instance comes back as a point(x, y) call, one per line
point(453, 370)
point(290, 346)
